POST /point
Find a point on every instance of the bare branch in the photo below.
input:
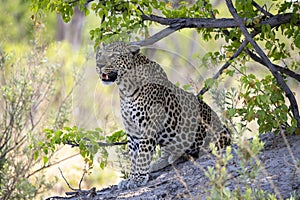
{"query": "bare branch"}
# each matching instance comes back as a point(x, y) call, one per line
point(279, 68)
point(176, 24)
point(101, 144)
point(158, 36)
point(280, 81)
point(81, 179)
point(261, 9)
point(66, 180)
point(218, 23)
point(193, 22)
point(50, 165)
point(225, 66)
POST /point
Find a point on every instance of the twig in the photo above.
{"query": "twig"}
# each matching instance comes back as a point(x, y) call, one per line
point(258, 7)
point(50, 165)
point(225, 66)
point(83, 175)
point(290, 152)
point(101, 144)
point(88, 194)
point(66, 180)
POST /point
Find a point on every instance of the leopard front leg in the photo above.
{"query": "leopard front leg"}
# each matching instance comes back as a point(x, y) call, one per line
point(140, 163)
point(133, 146)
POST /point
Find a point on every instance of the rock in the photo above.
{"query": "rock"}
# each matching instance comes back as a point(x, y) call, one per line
point(278, 174)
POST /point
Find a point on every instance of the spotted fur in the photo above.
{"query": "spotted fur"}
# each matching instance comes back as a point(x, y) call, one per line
point(156, 112)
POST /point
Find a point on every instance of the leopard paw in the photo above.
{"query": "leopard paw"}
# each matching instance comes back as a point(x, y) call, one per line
point(133, 182)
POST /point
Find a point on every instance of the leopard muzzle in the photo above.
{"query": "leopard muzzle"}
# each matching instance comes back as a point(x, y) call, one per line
point(108, 78)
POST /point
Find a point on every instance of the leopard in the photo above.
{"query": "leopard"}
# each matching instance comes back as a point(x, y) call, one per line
point(156, 112)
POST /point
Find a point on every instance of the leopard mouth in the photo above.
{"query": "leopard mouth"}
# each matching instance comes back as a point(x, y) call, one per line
point(110, 77)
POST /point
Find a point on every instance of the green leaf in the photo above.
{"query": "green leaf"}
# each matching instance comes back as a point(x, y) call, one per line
point(45, 160)
point(268, 45)
point(186, 87)
point(297, 41)
point(230, 72)
point(35, 155)
point(102, 165)
point(231, 112)
point(210, 82)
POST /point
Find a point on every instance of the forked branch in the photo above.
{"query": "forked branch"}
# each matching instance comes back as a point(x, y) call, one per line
point(251, 54)
point(278, 68)
point(289, 94)
point(220, 23)
point(158, 36)
point(274, 21)
point(176, 24)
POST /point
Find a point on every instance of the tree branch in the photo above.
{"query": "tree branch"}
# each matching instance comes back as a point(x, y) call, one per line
point(101, 144)
point(158, 36)
point(225, 66)
point(176, 24)
point(193, 22)
point(61, 173)
point(274, 21)
point(278, 68)
point(218, 23)
point(252, 55)
point(50, 165)
point(261, 9)
point(280, 81)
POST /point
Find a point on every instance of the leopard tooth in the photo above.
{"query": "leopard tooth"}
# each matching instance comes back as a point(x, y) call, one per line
point(104, 76)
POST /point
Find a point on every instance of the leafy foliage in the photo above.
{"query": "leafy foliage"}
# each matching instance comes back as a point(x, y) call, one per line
point(20, 94)
point(249, 168)
point(89, 143)
point(118, 18)
point(29, 99)
point(264, 101)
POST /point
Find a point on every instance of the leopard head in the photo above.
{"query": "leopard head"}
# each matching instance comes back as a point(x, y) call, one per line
point(115, 60)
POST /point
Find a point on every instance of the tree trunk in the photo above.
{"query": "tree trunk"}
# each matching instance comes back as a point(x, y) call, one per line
point(71, 31)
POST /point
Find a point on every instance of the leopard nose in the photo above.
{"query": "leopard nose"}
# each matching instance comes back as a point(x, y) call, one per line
point(100, 66)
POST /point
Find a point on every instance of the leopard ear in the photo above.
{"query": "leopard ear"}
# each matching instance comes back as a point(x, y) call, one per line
point(100, 47)
point(134, 49)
